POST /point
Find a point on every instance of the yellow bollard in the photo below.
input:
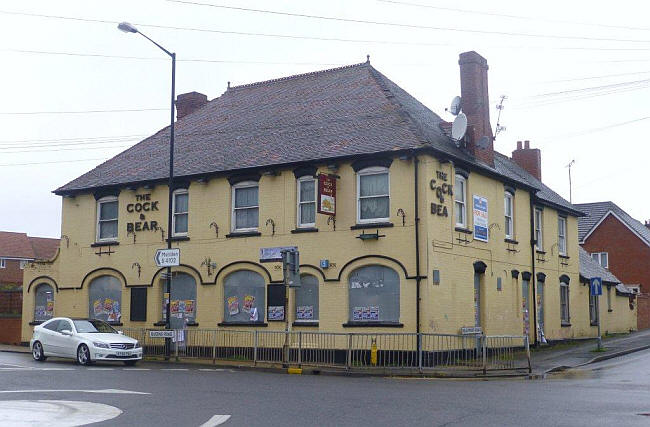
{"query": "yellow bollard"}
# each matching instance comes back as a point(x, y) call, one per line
point(373, 352)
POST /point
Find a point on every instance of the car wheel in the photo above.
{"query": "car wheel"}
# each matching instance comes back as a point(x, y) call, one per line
point(37, 352)
point(83, 355)
point(130, 362)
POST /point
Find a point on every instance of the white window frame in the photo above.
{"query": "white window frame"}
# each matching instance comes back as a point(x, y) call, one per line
point(509, 201)
point(100, 202)
point(561, 235)
point(235, 187)
point(374, 170)
point(539, 229)
point(174, 213)
point(598, 257)
point(3, 263)
point(299, 182)
point(459, 178)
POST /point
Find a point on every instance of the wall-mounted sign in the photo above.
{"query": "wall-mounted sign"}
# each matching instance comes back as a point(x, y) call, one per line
point(274, 254)
point(326, 194)
point(143, 204)
point(441, 189)
point(480, 218)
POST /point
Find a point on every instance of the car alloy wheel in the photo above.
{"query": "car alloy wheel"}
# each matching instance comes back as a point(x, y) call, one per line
point(37, 351)
point(83, 355)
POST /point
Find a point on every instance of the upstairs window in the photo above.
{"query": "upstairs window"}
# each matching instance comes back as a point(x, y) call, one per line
point(508, 212)
point(373, 195)
point(561, 235)
point(539, 235)
point(460, 201)
point(306, 202)
point(245, 206)
point(107, 219)
point(601, 258)
point(3, 263)
point(180, 206)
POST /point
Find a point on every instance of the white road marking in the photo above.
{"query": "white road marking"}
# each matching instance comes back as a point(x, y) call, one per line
point(15, 366)
point(36, 369)
point(136, 369)
point(212, 370)
point(104, 391)
point(215, 420)
point(58, 413)
point(100, 369)
point(174, 369)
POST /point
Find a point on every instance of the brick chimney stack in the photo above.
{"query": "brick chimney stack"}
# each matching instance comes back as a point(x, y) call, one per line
point(529, 159)
point(647, 223)
point(188, 103)
point(475, 103)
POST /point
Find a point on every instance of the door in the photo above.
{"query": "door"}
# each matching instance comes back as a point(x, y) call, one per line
point(48, 332)
point(540, 311)
point(64, 343)
point(525, 306)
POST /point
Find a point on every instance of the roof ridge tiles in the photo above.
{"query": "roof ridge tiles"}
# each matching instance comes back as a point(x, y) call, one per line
point(295, 76)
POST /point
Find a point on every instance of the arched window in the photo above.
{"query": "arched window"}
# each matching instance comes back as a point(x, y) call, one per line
point(182, 307)
point(105, 299)
point(374, 294)
point(307, 299)
point(244, 297)
point(43, 302)
point(565, 314)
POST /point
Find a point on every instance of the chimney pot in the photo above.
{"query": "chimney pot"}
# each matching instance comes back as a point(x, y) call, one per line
point(518, 145)
point(527, 144)
point(187, 103)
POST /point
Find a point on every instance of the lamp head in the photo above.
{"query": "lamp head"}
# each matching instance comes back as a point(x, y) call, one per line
point(127, 28)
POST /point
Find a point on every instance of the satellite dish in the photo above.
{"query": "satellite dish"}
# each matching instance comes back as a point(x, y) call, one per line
point(459, 127)
point(455, 106)
point(483, 142)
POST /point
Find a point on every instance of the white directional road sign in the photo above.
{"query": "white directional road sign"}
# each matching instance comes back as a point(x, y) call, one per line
point(161, 334)
point(168, 257)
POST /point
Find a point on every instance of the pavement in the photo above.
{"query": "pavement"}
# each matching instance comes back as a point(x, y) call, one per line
point(545, 360)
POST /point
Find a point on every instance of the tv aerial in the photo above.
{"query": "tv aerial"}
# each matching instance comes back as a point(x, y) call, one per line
point(459, 127)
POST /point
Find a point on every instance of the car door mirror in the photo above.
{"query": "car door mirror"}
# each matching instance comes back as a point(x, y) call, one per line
point(120, 332)
point(66, 332)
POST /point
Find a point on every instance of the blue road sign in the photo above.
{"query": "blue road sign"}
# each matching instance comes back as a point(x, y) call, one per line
point(596, 286)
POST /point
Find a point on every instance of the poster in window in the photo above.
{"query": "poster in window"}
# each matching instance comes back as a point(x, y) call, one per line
point(276, 312)
point(50, 307)
point(480, 218)
point(253, 314)
point(40, 311)
point(249, 300)
point(173, 307)
point(116, 310)
point(108, 306)
point(98, 307)
point(365, 313)
point(189, 306)
point(181, 306)
point(305, 312)
point(357, 313)
point(373, 313)
point(233, 306)
point(326, 195)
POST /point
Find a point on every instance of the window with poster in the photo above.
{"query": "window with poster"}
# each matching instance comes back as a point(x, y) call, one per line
point(43, 302)
point(244, 298)
point(373, 295)
point(105, 299)
point(182, 306)
point(307, 299)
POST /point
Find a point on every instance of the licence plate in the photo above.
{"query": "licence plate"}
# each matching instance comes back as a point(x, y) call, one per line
point(123, 353)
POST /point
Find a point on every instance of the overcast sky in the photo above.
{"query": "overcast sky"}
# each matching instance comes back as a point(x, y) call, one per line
point(576, 75)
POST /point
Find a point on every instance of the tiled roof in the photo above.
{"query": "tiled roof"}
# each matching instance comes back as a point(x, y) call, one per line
point(347, 111)
point(596, 211)
point(15, 245)
point(44, 248)
point(590, 268)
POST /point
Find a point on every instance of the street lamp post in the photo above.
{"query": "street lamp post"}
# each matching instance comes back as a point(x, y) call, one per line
point(128, 28)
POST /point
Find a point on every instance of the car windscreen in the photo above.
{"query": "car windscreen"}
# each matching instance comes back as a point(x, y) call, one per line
point(93, 326)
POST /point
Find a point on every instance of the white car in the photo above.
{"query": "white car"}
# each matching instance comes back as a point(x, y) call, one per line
point(86, 340)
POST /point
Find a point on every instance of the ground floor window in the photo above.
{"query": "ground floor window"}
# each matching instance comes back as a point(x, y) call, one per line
point(182, 305)
point(374, 294)
point(105, 299)
point(564, 302)
point(307, 299)
point(43, 302)
point(244, 297)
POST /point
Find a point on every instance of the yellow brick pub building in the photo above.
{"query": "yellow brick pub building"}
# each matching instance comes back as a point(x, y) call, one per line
point(430, 234)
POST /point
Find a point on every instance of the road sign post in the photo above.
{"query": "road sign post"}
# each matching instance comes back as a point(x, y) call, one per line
point(596, 289)
point(170, 257)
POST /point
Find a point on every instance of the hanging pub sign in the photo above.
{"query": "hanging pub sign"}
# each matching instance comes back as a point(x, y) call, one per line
point(480, 218)
point(326, 194)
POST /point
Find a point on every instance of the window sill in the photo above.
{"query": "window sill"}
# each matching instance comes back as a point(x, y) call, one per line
point(373, 325)
point(609, 310)
point(161, 323)
point(463, 230)
point(540, 252)
point(371, 225)
point(243, 324)
point(565, 325)
point(512, 241)
point(36, 322)
point(564, 256)
point(305, 324)
point(178, 239)
point(192, 324)
point(235, 234)
point(111, 243)
point(305, 230)
point(593, 323)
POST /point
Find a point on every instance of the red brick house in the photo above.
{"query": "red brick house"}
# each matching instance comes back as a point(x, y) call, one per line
point(16, 250)
point(621, 244)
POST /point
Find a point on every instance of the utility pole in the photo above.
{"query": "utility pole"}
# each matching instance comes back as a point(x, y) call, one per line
point(571, 163)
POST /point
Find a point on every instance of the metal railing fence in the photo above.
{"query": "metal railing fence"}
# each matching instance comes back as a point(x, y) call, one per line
point(349, 351)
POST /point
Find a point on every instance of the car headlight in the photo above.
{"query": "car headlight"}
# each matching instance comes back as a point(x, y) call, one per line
point(137, 344)
point(100, 344)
